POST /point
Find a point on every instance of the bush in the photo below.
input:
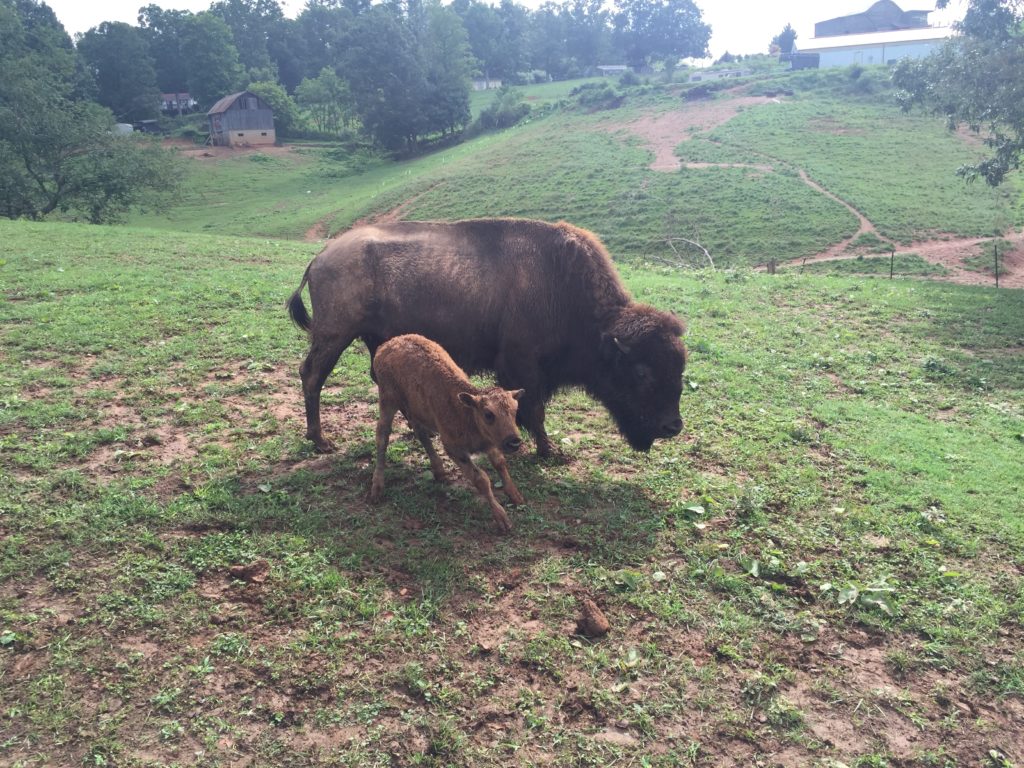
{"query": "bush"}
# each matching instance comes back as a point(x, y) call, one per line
point(596, 96)
point(629, 78)
point(507, 109)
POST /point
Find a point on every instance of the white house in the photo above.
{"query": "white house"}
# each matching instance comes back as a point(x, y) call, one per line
point(876, 47)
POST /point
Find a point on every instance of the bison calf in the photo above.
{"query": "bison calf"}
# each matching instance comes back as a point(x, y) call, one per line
point(418, 378)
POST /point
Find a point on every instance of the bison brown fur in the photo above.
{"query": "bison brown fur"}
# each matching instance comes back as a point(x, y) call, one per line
point(539, 304)
point(418, 378)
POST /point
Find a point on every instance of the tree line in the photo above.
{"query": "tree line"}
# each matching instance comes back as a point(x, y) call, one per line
point(400, 69)
point(394, 73)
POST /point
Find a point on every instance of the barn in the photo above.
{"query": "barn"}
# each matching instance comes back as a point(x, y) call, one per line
point(241, 119)
point(883, 34)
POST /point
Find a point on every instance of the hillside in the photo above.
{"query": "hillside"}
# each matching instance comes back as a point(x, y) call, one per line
point(752, 173)
point(825, 568)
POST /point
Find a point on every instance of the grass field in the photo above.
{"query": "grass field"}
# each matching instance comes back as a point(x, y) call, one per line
point(905, 266)
point(589, 168)
point(824, 569)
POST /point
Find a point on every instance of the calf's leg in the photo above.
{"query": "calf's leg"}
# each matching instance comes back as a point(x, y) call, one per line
point(478, 478)
point(436, 465)
point(387, 417)
point(499, 463)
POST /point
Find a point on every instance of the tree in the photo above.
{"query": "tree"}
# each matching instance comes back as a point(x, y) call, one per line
point(496, 36)
point(31, 29)
point(588, 33)
point(386, 77)
point(785, 39)
point(974, 80)
point(324, 29)
point(58, 153)
point(118, 56)
point(660, 30)
point(211, 59)
point(546, 41)
point(327, 100)
point(287, 48)
point(163, 30)
point(447, 65)
point(250, 22)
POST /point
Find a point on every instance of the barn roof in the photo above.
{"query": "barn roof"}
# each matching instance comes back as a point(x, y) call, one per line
point(224, 104)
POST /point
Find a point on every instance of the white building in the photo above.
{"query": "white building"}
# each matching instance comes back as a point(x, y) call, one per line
point(886, 47)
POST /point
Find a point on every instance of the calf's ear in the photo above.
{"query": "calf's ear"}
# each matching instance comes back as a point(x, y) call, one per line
point(468, 400)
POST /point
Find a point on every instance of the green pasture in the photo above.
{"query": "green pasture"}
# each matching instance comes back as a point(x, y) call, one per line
point(824, 569)
point(589, 168)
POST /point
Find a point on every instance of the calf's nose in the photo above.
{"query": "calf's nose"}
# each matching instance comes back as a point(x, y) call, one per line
point(511, 444)
point(672, 428)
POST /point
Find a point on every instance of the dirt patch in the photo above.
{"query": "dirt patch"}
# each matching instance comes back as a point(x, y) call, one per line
point(853, 701)
point(663, 133)
point(321, 230)
point(211, 153)
point(395, 214)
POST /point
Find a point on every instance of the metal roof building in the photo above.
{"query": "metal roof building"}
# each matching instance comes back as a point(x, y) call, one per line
point(876, 47)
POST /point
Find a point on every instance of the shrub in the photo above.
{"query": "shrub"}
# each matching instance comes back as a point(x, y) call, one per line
point(507, 109)
point(596, 96)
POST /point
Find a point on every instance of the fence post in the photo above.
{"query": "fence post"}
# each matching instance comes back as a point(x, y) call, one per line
point(771, 267)
point(995, 251)
point(892, 259)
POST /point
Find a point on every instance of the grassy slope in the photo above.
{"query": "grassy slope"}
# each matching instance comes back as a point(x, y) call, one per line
point(588, 169)
point(839, 433)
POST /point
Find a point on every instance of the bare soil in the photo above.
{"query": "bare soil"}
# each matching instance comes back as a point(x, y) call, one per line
point(664, 132)
point(208, 153)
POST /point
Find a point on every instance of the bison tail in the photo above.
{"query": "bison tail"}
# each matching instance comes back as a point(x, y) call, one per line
point(296, 308)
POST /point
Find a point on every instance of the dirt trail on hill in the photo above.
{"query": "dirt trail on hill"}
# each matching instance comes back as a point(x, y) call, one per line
point(321, 230)
point(664, 132)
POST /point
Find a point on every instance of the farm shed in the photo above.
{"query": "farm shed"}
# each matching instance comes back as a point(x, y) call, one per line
point(241, 119)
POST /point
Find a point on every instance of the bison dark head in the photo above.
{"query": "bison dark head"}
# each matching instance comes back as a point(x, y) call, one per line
point(641, 379)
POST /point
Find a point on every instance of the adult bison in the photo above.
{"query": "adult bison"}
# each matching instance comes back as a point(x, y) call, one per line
point(539, 304)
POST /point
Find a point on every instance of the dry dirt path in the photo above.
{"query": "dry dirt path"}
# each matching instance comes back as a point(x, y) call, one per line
point(662, 133)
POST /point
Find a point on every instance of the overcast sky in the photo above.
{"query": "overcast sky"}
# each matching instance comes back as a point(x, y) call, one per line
point(737, 26)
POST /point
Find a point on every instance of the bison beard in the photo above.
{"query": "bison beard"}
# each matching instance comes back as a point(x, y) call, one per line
point(539, 304)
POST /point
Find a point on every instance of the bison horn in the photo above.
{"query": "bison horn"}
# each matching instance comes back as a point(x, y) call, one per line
point(623, 348)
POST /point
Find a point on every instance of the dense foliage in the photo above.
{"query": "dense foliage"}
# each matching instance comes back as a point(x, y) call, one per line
point(58, 151)
point(974, 80)
point(399, 72)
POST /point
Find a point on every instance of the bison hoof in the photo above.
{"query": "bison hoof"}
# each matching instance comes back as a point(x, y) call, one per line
point(553, 456)
point(376, 491)
point(516, 498)
point(322, 445)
